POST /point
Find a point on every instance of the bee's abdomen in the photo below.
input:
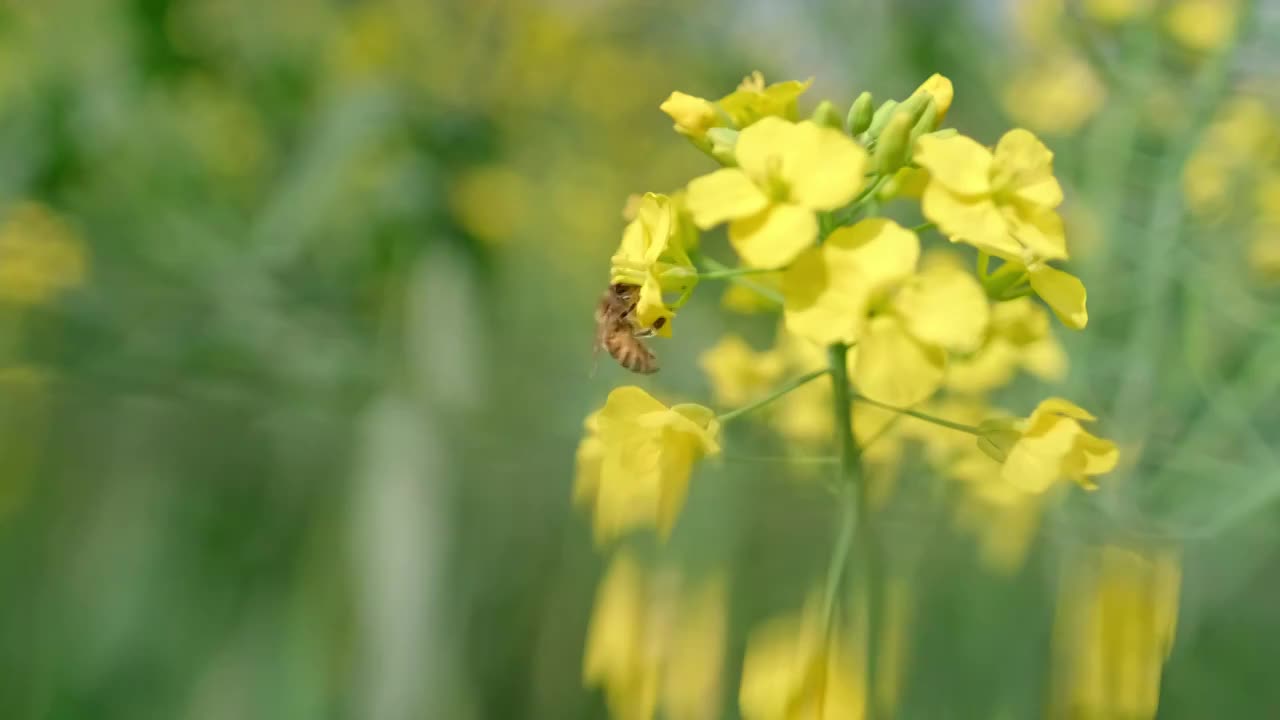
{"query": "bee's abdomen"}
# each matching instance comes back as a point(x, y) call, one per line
point(632, 355)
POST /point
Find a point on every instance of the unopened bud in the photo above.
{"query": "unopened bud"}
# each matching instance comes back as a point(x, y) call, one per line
point(881, 117)
point(928, 121)
point(825, 114)
point(859, 118)
point(891, 148)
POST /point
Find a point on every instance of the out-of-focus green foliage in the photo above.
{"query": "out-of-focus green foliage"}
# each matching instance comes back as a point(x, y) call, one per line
point(295, 348)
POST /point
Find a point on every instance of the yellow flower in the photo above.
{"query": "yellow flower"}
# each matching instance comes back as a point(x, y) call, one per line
point(1203, 25)
point(1114, 628)
point(1001, 203)
point(654, 254)
point(693, 116)
point(938, 86)
point(1019, 337)
point(786, 172)
point(861, 286)
point(1114, 12)
point(635, 461)
point(795, 669)
point(739, 374)
point(650, 645)
point(40, 256)
point(753, 100)
point(1052, 445)
point(1054, 95)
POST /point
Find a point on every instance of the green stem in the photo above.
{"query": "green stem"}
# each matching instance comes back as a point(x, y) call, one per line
point(716, 266)
point(924, 227)
point(731, 273)
point(783, 390)
point(959, 427)
point(855, 523)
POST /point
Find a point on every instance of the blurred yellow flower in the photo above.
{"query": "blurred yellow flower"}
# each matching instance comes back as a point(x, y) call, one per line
point(1055, 94)
point(1243, 140)
point(796, 668)
point(490, 202)
point(1114, 628)
point(40, 256)
point(654, 254)
point(1002, 202)
point(1049, 446)
point(739, 374)
point(786, 172)
point(1018, 337)
point(1203, 25)
point(1003, 519)
point(1114, 12)
point(635, 461)
point(652, 645)
point(743, 298)
point(753, 100)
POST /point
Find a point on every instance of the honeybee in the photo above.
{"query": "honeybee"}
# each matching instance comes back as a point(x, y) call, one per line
point(617, 332)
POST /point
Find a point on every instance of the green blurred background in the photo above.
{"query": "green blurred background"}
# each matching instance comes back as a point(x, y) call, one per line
point(295, 313)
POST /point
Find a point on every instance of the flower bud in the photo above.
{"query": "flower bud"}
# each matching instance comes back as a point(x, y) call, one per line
point(859, 118)
point(693, 116)
point(914, 106)
point(825, 114)
point(881, 117)
point(891, 148)
point(928, 121)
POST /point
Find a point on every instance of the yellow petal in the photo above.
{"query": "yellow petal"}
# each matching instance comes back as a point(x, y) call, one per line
point(1036, 462)
point(1060, 407)
point(1064, 294)
point(723, 195)
point(651, 311)
point(880, 251)
point(974, 220)
point(958, 163)
point(762, 148)
point(655, 218)
point(738, 374)
point(987, 369)
point(1045, 359)
point(945, 306)
point(1039, 231)
point(774, 237)
point(823, 304)
point(1023, 167)
point(939, 86)
point(823, 167)
point(1101, 456)
point(895, 368)
point(625, 403)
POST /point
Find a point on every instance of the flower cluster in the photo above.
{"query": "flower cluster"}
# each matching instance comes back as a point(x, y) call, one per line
point(889, 335)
